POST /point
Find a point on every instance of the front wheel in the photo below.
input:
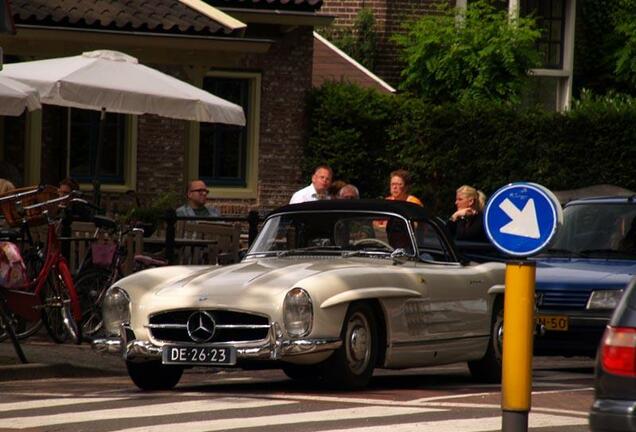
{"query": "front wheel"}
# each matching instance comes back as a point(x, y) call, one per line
point(488, 368)
point(154, 375)
point(91, 286)
point(57, 316)
point(351, 365)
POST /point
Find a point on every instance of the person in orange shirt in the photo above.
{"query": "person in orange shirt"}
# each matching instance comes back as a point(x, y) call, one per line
point(399, 186)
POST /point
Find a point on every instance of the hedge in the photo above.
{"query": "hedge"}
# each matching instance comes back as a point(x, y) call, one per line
point(364, 135)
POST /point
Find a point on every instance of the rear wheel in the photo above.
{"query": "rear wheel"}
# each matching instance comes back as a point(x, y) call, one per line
point(488, 368)
point(90, 286)
point(351, 365)
point(56, 311)
point(154, 375)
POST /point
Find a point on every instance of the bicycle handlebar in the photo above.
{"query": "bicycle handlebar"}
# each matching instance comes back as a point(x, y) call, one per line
point(46, 203)
point(20, 195)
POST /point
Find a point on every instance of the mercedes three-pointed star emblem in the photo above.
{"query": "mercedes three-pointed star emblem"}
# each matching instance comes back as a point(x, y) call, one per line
point(201, 326)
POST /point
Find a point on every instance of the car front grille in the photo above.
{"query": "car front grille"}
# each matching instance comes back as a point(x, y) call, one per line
point(563, 299)
point(229, 326)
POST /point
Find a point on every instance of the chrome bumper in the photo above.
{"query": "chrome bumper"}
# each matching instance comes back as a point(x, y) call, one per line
point(275, 347)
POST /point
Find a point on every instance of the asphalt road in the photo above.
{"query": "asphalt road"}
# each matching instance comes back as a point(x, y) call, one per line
point(71, 388)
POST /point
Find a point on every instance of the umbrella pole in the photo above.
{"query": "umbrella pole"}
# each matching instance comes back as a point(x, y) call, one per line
point(100, 137)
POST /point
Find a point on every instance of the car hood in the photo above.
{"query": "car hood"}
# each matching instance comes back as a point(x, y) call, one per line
point(584, 273)
point(252, 275)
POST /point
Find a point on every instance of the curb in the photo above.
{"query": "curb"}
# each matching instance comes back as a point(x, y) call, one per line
point(32, 371)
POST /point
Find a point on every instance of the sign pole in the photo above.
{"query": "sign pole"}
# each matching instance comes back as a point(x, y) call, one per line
point(521, 220)
point(516, 384)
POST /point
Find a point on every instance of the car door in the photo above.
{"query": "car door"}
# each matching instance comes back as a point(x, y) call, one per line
point(457, 299)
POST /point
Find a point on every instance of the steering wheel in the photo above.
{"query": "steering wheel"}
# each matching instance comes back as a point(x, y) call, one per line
point(360, 244)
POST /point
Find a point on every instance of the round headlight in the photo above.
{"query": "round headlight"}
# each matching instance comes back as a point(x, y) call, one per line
point(298, 313)
point(115, 309)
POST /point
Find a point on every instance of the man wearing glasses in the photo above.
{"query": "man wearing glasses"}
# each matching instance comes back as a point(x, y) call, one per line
point(197, 194)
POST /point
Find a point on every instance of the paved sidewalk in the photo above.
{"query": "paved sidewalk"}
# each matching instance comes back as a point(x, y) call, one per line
point(49, 360)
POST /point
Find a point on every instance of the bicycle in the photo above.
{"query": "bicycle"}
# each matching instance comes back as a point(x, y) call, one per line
point(51, 296)
point(94, 279)
point(33, 256)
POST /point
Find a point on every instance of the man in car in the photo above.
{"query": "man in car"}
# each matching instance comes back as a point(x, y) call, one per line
point(318, 189)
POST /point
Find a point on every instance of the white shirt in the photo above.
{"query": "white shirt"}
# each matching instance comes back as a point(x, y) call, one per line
point(305, 194)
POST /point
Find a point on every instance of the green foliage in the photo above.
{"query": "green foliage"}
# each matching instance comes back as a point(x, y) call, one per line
point(348, 131)
point(155, 210)
point(595, 44)
point(625, 55)
point(365, 135)
point(361, 42)
point(466, 56)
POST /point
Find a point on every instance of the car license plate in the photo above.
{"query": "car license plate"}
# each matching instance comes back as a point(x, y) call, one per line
point(553, 322)
point(199, 355)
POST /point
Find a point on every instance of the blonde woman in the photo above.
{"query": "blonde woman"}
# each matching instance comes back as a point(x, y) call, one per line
point(467, 222)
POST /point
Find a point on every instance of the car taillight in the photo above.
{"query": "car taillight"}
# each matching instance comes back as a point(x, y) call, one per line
point(618, 351)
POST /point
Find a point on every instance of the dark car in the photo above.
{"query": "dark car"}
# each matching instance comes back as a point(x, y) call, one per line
point(581, 278)
point(614, 407)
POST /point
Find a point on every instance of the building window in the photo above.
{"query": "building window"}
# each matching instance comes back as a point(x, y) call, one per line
point(82, 145)
point(223, 149)
point(550, 16)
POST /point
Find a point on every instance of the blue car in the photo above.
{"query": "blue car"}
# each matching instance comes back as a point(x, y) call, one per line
point(581, 278)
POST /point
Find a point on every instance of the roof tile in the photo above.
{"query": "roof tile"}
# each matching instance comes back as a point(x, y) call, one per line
point(294, 5)
point(162, 16)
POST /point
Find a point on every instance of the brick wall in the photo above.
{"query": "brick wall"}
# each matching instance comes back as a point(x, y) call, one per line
point(160, 154)
point(389, 16)
point(286, 80)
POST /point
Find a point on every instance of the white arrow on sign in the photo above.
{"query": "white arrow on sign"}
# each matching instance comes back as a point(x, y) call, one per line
point(524, 222)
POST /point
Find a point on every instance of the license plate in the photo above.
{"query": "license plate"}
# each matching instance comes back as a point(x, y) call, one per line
point(201, 355)
point(553, 322)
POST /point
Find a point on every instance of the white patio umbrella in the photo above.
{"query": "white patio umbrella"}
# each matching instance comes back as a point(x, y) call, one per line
point(111, 81)
point(116, 82)
point(15, 97)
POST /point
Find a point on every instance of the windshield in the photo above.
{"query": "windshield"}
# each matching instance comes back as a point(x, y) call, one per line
point(594, 230)
point(344, 233)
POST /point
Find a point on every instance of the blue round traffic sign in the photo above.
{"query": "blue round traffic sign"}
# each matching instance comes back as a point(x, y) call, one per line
point(522, 218)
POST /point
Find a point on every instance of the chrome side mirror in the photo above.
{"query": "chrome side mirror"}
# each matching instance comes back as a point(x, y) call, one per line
point(399, 256)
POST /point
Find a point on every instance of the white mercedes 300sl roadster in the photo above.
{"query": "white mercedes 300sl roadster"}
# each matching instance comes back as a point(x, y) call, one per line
point(329, 291)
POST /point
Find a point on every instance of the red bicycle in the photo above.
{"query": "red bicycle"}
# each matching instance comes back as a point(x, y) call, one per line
point(51, 296)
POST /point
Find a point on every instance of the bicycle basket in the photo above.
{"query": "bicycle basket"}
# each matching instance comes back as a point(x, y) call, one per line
point(25, 197)
point(102, 253)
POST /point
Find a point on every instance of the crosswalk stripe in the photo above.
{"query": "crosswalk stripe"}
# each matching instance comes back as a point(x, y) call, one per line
point(469, 425)
point(154, 410)
point(282, 419)
point(48, 403)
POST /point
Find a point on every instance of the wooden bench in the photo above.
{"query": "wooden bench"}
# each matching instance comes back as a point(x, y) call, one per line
point(227, 236)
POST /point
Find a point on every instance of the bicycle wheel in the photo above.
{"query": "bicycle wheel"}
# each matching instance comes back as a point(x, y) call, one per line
point(56, 311)
point(33, 260)
point(91, 285)
point(21, 327)
point(5, 325)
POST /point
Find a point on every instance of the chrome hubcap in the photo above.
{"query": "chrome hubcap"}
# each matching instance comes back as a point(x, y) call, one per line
point(358, 343)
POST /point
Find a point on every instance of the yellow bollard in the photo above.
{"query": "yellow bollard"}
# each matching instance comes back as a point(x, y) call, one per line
point(519, 322)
